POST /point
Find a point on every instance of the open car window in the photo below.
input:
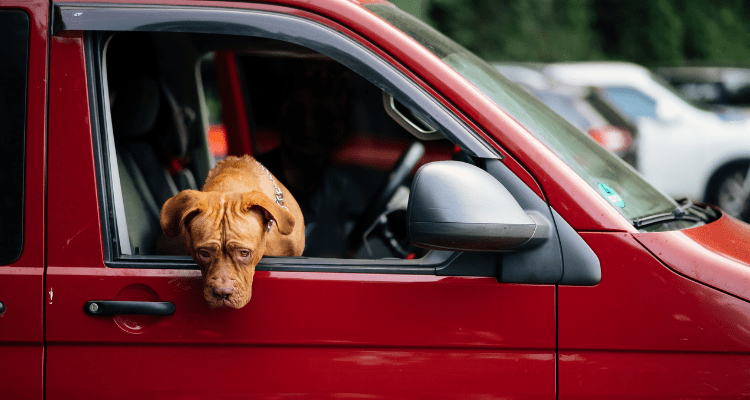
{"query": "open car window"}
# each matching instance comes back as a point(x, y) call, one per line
point(322, 130)
point(313, 104)
point(178, 103)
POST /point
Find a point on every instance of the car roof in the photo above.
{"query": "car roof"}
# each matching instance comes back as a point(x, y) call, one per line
point(524, 74)
point(597, 73)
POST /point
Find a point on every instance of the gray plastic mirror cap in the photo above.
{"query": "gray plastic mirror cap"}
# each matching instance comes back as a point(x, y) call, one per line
point(457, 206)
point(541, 233)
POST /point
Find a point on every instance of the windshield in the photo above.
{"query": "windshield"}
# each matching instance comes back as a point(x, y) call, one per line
point(612, 178)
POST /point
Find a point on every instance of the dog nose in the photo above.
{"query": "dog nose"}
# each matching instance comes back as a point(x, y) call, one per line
point(223, 292)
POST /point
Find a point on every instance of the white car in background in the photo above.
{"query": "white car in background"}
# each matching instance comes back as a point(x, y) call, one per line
point(725, 90)
point(581, 106)
point(684, 150)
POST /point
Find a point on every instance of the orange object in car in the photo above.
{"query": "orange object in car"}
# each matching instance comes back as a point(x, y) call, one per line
point(217, 140)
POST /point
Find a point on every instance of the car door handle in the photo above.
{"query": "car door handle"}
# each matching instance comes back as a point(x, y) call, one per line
point(110, 307)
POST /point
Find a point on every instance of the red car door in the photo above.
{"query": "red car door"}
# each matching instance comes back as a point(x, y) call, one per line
point(23, 54)
point(648, 331)
point(314, 327)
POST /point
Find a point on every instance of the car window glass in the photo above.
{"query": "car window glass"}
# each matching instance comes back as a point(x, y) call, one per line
point(622, 187)
point(565, 106)
point(631, 101)
point(14, 43)
point(217, 135)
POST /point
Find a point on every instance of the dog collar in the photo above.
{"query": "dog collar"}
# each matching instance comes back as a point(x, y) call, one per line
point(279, 194)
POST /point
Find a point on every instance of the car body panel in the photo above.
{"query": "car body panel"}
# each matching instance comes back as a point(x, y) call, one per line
point(622, 314)
point(653, 375)
point(352, 313)
point(715, 254)
point(74, 222)
point(657, 318)
point(648, 332)
point(329, 344)
point(22, 282)
point(271, 373)
point(295, 323)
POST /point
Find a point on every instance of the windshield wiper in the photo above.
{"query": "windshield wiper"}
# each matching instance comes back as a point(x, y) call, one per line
point(682, 212)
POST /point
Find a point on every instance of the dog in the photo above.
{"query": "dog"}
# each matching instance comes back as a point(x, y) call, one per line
point(241, 214)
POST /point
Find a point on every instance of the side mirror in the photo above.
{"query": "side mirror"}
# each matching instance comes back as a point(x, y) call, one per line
point(457, 206)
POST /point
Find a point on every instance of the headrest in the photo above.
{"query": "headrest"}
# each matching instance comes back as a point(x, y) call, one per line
point(173, 123)
point(135, 106)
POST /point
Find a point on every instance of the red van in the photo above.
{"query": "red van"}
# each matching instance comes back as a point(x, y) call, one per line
point(520, 260)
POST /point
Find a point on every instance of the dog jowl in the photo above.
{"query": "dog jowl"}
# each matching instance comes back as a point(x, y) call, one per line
point(227, 233)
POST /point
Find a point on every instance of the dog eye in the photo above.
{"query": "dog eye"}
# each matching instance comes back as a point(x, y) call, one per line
point(204, 254)
point(244, 253)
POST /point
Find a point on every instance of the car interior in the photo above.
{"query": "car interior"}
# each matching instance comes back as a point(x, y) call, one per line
point(323, 130)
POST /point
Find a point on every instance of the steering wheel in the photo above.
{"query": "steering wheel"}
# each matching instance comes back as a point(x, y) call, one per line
point(398, 174)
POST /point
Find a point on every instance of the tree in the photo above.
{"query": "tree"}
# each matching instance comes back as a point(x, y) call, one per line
point(519, 30)
point(655, 32)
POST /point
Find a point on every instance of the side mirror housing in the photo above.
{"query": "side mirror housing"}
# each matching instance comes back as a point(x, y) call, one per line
point(457, 206)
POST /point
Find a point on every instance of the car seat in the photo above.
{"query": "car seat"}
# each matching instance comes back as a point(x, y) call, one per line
point(151, 143)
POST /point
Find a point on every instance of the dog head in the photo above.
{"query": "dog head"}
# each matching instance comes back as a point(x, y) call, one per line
point(226, 235)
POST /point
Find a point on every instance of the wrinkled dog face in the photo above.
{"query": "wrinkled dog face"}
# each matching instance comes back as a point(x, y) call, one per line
point(227, 245)
point(226, 235)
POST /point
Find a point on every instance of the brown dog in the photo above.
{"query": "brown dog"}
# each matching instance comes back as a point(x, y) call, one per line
point(241, 214)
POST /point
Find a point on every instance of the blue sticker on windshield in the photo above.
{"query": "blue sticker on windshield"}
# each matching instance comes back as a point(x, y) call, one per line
point(611, 195)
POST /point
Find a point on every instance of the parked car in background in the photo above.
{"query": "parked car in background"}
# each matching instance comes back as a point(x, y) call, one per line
point(725, 90)
point(684, 150)
point(581, 106)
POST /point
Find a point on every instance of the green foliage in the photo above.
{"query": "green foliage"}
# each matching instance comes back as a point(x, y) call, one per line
point(415, 7)
point(718, 32)
point(519, 30)
point(652, 32)
point(640, 31)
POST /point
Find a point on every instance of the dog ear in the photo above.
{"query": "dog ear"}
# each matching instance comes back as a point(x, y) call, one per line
point(284, 219)
point(176, 210)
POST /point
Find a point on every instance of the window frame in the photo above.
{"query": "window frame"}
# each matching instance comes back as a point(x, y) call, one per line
point(102, 20)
